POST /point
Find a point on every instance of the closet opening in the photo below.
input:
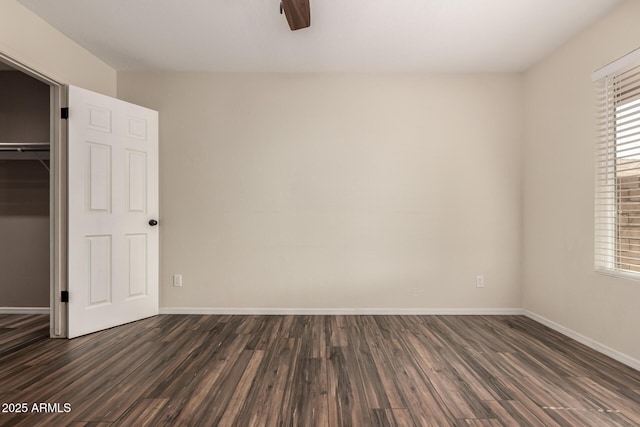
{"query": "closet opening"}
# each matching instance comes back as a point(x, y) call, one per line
point(31, 195)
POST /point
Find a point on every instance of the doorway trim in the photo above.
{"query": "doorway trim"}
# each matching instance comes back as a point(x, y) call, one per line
point(57, 197)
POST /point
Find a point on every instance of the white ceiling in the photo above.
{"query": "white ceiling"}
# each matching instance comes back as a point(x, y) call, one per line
point(347, 35)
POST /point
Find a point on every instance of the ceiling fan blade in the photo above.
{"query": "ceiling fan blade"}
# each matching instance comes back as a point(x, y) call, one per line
point(298, 13)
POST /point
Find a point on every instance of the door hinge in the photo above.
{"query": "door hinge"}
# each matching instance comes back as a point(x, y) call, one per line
point(64, 112)
point(64, 296)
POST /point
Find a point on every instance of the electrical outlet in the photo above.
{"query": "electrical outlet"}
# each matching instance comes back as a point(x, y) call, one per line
point(479, 281)
point(177, 280)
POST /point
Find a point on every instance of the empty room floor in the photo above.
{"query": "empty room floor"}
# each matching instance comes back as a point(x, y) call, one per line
point(311, 371)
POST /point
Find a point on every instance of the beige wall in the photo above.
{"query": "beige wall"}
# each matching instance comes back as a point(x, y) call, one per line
point(24, 194)
point(558, 274)
point(24, 227)
point(26, 38)
point(337, 191)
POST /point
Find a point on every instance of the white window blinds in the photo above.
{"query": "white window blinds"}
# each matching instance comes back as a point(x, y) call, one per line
point(617, 209)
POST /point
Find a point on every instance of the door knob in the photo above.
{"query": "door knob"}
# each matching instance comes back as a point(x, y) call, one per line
point(153, 222)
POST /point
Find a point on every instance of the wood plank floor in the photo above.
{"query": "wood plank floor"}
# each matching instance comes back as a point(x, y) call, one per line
point(312, 371)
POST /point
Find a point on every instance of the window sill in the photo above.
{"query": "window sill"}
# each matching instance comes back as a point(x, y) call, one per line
point(629, 275)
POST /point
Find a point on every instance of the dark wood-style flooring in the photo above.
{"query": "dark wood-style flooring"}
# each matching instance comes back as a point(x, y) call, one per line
point(174, 370)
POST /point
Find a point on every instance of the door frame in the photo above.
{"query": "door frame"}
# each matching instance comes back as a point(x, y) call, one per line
point(57, 197)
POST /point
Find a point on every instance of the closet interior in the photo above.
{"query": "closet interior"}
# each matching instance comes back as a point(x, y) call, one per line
point(24, 191)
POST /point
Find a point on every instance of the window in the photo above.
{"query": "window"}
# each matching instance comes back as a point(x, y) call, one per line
point(617, 221)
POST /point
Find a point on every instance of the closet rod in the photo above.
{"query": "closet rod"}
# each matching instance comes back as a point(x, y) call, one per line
point(25, 146)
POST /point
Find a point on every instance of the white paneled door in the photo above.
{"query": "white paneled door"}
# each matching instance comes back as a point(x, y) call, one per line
point(113, 212)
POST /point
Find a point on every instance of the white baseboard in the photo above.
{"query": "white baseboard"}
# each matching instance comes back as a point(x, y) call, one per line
point(601, 348)
point(24, 310)
point(343, 311)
